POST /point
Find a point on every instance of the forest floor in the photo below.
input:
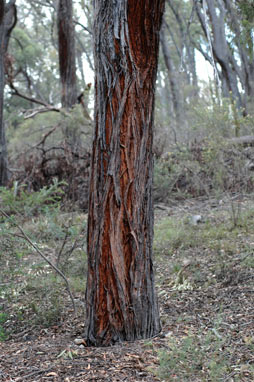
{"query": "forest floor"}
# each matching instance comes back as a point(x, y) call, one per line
point(205, 284)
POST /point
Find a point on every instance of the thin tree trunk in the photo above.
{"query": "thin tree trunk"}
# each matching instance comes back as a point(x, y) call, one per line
point(80, 67)
point(193, 71)
point(3, 154)
point(246, 54)
point(176, 99)
point(221, 51)
point(67, 55)
point(8, 20)
point(120, 297)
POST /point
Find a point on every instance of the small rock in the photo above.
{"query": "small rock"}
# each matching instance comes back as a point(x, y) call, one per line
point(80, 341)
point(249, 165)
point(195, 219)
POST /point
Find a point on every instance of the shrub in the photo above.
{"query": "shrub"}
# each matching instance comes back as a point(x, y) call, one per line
point(19, 200)
point(205, 168)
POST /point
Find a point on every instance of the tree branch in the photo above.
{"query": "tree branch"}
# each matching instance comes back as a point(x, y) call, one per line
point(17, 93)
point(33, 112)
point(83, 27)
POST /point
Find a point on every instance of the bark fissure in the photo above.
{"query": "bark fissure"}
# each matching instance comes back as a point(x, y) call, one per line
point(120, 296)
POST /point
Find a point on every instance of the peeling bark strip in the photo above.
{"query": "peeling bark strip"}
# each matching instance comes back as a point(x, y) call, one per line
point(66, 51)
point(120, 295)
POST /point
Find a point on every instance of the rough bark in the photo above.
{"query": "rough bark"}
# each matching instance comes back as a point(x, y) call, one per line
point(66, 51)
point(120, 297)
point(7, 22)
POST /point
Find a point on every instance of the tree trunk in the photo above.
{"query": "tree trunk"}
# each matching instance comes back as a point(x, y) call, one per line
point(7, 23)
point(176, 99)
point(120, 296)
point(221, 51)
point(3, 164)
point(193, 72)
point(245, 49)
point(66, 51)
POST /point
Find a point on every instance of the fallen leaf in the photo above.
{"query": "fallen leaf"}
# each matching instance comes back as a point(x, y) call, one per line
point(52, 374)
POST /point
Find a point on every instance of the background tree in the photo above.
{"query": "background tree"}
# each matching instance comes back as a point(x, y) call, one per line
point(174, 88)
point(67, 53)
point(7, 22)
point(226, 26)
point(3, 164)
point(185, 97)
point(120, 296)
point(35, 67)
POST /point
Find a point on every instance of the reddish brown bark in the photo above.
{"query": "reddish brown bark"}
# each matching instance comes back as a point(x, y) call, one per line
point(120, 296)
point(67, 54)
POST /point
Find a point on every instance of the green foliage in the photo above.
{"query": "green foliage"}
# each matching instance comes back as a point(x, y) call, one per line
point(163, 180)
point(30, 285)
point(38, 297)
point(215, 235)
point(71, 127)
point(173, 234)
point(208, 167)
point(76, 128)
point(3, 319)
point(27, 51)
point(196, 357)
point(46, 299)
point(35, 61)
point(212, 118)
point(19, 200)
point(247, 9)
point(26, 134)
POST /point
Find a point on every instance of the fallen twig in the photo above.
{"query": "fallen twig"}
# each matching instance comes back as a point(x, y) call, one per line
point(39, 371)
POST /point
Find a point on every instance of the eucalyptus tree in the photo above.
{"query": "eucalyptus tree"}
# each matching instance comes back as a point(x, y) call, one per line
point(67, 53)
point(8, 20)
point(3, 154)
point(228, 27)
point(120, 297)
point(177, 67)
point(33, 49)
point(240, 18)
point(181, 30)
point(176, 96)
point(44, 51)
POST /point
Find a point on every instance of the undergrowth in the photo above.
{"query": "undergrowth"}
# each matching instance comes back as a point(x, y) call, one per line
point(190, 258)
point(205, 167)
point(203, 356)
point(31, 292)
point(205, 272)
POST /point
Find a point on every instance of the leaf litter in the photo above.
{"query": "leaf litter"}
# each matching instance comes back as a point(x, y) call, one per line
point(207, 312)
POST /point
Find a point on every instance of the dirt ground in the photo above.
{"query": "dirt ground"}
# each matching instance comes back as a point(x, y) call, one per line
point(218, 317)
